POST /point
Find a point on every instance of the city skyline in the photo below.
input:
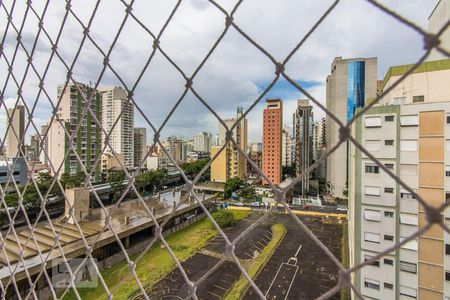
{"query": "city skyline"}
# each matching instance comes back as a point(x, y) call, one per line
point(239, 86)
point(137, 173)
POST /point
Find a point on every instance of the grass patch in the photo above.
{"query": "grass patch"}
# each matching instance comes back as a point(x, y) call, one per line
point(240, 287)
point(345, 293)
point(157, 262)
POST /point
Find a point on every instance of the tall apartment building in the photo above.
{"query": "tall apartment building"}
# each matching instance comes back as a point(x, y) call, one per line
point(203, 142)
point(86, 142)
point(140, 145)
point(303, 138)
point(188, 147)
point(272, 140)
point(230, 163)
point(43, 158)
point(256, 147)
point(319, 137)
point(121, 138)
point(410, 134)
point(33, 153)
point(319, 146)
point(437, 20)
point(286, 147)
point(350, 85)
point(175, 146)
point(15, 136)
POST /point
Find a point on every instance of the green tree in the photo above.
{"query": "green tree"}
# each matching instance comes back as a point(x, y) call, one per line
point(247, 193)
point(224, 218)
point(72, 181)
point(149, 180)
point(232, 185)
point(192, 169)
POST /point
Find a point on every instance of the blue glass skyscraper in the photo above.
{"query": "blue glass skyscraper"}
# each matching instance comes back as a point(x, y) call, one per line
point(355, 86)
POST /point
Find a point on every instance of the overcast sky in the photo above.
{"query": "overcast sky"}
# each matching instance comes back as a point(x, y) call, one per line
point(234, 75)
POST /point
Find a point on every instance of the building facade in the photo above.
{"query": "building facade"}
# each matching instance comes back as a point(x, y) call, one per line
point(350, 85)
point(16, 131)
point(203, 142)
point(303, 139)
point(13, 170)
point(140, 145)
point(413, 141)
point(87, 140)
point(43, 157)
point(121, 137)
point(272, 140)
point(286, 148)
point(319, 146)
point(436, 21)
point(231, 162)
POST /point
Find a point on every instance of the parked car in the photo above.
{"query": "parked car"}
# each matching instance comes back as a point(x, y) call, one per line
point(341, 208)
point(239, 204)
point(255, 204)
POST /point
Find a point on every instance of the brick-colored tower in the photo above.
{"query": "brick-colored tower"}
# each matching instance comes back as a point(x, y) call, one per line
point(272, 139)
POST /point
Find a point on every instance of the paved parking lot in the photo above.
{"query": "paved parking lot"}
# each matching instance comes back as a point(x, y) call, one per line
point(297, 270)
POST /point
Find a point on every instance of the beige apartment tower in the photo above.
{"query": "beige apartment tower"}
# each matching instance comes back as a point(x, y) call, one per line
point(15, 137)
point(231, 162)
point(410, 134)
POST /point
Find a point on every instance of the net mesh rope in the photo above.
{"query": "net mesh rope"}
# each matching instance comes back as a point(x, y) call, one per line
point(16, 27)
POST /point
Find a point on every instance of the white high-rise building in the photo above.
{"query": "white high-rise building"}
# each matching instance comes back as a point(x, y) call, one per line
point(121, 139)
point(202, 142)
point(286, 147)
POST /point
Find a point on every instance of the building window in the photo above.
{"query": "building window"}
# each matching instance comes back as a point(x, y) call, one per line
point(388, 261)
point(448, 119)
point(372, 191)
point(389, 118)
point(389, 190)
point(408, 145)
point(373, 122)
point(372, 215)
point(389, 142)
point(406, 195)
point(409, 219)
point(388, 286)
point(372, 237)
point(388, 237)
point(372, 169)
point(389, 166)
point(411, 245)
point(417, 99)
point(412, 120)
point(375, 263)
point(407, 291)
point(408, 267)
point(389, 214)
point(372, 284)
point(447, 249)
point(447, 171)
